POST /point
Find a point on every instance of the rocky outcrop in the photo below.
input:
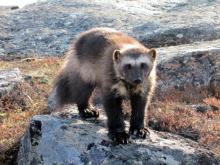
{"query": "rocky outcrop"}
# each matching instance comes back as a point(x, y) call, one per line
point(70, 140)
point(46, 28)
point(192, 69)
point(9, 80)
point(13, 90)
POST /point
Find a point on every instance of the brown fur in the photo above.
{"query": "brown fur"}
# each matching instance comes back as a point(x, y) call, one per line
point(91, 62)
point(94, 70)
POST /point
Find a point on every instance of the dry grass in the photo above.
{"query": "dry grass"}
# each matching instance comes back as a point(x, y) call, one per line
point(180, 119)
point(15, 114)
point(169, 115)
point(188, 95)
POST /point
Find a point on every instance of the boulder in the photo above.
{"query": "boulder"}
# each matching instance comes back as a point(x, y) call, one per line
point(46, 28)
point(203, 108)
point(9, 80)
point(13, 90)
point(191, 69)
point(66, 139)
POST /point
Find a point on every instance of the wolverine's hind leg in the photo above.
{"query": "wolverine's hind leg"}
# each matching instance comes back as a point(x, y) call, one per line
point(72, 89)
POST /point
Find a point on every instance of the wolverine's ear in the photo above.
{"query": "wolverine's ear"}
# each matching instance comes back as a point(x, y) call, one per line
point(116, 55)
point(153, 53)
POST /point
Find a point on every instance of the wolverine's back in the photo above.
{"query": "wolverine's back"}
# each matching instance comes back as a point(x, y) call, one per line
point(93, 43)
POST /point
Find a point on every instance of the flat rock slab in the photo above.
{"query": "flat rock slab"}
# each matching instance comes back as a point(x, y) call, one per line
point(9, 80)
point(46, 28)
point(70, 140)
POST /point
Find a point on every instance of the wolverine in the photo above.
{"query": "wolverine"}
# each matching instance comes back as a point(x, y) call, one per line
point(121, 67)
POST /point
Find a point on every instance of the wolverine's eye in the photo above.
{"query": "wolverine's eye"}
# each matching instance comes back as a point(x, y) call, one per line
point(128, 66)
point(143, 66)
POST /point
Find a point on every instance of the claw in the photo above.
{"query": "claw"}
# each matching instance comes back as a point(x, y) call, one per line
point(140, 133)
point(119, 137)
point(89, 113)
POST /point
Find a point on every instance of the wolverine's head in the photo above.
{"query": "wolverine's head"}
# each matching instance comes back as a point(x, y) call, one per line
point(134, 65)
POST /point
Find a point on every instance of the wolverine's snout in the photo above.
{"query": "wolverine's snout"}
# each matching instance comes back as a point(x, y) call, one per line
point(137, 81)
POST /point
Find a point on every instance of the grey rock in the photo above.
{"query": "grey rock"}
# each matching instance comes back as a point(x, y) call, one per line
point(46, 28)
point(189, 67)
point(203, 107)
point(70, 140)
point(9, 80)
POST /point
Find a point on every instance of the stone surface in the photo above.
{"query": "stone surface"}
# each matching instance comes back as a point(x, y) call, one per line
point(9, 80)
point(70, 140)
point(193, 65)
point(46, 28)
point(201, 107)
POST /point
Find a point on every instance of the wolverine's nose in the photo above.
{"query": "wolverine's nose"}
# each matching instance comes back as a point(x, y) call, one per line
point(137, 81)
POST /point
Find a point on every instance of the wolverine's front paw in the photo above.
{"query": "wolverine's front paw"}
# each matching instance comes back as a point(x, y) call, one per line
point(140, 133)
point(89, 113)
point(119, 137)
